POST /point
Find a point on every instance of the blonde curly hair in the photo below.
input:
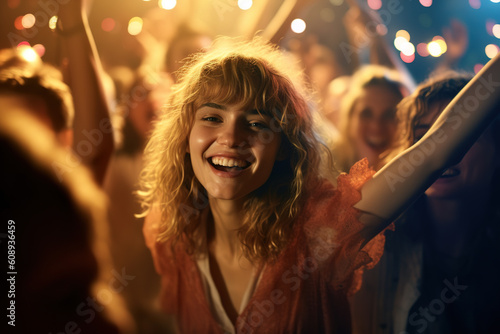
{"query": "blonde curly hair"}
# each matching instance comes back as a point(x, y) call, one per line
point(255, 75)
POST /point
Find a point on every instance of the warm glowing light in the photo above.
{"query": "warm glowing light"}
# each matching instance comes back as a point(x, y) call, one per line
point(245, 4)
point(167, 4)
point(375, 4)
point(407, 59)
point(28, 21)
point(298, 26)
point(403, 33)
point(135, 26)
point(491, 50)
point(39, 49)
point(337, 2)
point(478, 67)
point(496, 30)
point(108, 24)
point(489, 26)
point(434, 49)
point(495, 1)
point(408, 49)
point(442, 45)
point(13, 3)
point(426, 3)
point(422, 50)
point(18, 23)
point(476, 4)
point(22, 44)
point(400, 42)
point(53, 22)
point(28, 53)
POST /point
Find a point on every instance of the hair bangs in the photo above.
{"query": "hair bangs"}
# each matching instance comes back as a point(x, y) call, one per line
point(247, 82)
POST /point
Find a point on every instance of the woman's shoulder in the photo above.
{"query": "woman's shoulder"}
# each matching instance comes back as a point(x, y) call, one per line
point(344, 194)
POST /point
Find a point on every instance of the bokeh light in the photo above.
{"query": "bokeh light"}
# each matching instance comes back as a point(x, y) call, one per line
point(491, 50)
point(403, 33)
point(135, 26)
point(400, 42)
point(28, 53)
point(298, 26)
point(108, 24)
point(23, 44)
point(375, 4)
point(476, 4)
point(28, 21)
point(478, 68)
point(407, 59)
point(408, 49)
point(167, 4)
point(426, 3)
point(495, 1)
point(422, 50)
point(39, 49)
point(18, 23)
point(337, 2)
point(496, 30)
point(245, 4)
point(53, 22)
point(434, 49)
point(13, 3)
point(441, 42)
point(489, 26)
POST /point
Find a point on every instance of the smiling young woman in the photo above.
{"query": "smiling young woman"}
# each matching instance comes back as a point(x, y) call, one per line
point(246, 229)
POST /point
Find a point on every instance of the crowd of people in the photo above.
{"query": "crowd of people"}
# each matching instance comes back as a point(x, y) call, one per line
point(239, 186)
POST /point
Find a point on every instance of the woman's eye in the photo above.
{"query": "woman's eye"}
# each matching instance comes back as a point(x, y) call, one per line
point(258, 125)
point(211, 119)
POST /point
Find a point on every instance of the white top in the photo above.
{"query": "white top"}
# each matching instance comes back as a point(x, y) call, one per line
point(213, 297)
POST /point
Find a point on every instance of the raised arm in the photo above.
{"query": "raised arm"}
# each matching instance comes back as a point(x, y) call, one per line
point(93, 138)
point(405, 177)
point(361, 24)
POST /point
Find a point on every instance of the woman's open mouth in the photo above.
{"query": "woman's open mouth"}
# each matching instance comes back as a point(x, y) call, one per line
point(376, 142)
point(229, 165)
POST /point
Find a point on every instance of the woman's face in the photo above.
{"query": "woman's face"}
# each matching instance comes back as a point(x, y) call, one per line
point(472, 175)
point(373, 122)
point(232, 150)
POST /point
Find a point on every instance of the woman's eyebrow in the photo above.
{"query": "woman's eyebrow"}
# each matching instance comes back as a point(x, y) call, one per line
point(214, 105)
point(263, 113)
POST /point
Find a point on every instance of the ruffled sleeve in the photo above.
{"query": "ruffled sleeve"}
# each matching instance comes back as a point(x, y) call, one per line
point(333, 230)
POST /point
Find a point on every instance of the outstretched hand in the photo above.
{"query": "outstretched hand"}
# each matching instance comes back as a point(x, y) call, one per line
point(457, 40)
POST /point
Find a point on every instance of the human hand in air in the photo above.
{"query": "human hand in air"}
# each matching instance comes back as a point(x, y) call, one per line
point(361, 23)
point(457, 41)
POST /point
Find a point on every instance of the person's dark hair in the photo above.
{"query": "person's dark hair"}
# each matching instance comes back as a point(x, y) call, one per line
point(30, 77)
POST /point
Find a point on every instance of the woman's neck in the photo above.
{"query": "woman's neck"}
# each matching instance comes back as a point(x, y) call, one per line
point(227, 219)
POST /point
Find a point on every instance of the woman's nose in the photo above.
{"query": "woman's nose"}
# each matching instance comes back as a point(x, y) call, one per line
point(230, 136)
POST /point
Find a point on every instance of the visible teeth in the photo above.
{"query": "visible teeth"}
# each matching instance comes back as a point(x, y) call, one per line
point(448, 172)
point(228, 162)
